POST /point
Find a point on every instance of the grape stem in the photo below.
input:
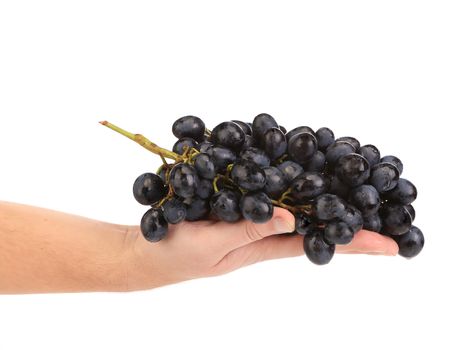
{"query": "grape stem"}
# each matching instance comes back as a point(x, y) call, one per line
point(144, 142)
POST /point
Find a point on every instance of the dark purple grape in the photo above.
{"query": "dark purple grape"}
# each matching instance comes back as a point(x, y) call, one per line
point(338, 232)
point(298, 130)
point(410, 243)
point(337, 150)
point(274, 143)
point(353, 218)
point(384, 177)
point(352, 140)
point(302, 147)
point(317, 163)
point(283, 129)
point(325, 138)
point(366, 199)
point(307, 186)
point(290, 170)
point(229, 135)
point(245, 127)
point(393, 160)
point(174, 210)
point(196, 208)
point(184, 180)
point(225, 205)
point(205, 189)
point(411, 210)
point(163, 171)
point(352, 169)
point(255, 155)
point(276, 182)
point(248, 175)
point(256, 207)
point(149, 189)
point(221, 157)
point(184, 143)
point(189, 126)
point(249, 142)
point(204, 146)
point(153, 225)
point(337, 187)
point(404, 193)
point(396, 220)
point(371, 153)
point(328, 206)
point(205, 166)
point(261, 124)
point(302, 224)
point(317, 250)
point(372, 223)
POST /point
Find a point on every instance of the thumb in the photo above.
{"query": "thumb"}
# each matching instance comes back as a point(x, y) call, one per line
point(235, 235)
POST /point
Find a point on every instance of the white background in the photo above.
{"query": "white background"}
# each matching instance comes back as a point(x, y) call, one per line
point(395, 74)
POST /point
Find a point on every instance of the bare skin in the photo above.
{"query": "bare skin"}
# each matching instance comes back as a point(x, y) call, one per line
point(44, 251)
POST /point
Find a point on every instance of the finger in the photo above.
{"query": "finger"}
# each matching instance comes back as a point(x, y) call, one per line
point(368, 242)
point(278, 247)
point(234, 235)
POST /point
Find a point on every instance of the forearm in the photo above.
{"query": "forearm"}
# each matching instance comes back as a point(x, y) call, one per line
point(47, 251)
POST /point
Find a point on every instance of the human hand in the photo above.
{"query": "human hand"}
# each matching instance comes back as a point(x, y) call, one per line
point(209, 248)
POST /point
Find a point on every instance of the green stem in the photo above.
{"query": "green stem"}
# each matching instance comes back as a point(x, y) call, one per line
point(144, 142)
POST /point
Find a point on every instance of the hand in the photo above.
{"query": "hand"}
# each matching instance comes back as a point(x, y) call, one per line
point(207, 248)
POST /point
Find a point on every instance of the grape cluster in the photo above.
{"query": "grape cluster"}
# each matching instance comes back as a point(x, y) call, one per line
point(240, 170)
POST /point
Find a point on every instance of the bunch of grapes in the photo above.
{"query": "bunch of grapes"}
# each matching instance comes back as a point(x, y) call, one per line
point(241, 170)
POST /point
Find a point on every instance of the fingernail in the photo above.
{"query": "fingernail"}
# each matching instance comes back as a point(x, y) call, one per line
point(283, 226)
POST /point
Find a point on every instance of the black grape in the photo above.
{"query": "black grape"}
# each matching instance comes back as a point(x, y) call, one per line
point(317, 250)
point(307, 186)
point(276, 182)
point(261, 124)
point(196, 208)
point(174, 210)
point(225, 205)
point(404, 192)
point(302, 147)
point(221, 157)
point(328, 206)
point(317, 163)
point(274, 143)
point(393, 160)
point(366, 199)
point(184, 180)
point(371, 153)
point(153, 225)
point(384, 177)
point(256, 207)
point(325, 138)
point(337, 150)
point(149, 188)
point(299, 130)
point(338, 232)
point(410, 243)
point(205, 166)
point(189, 126)
point(353, 218)
point(205, 189)
point(245, 127)
point(184, 143)
point(290, 169)
point(353, 141)
point(352, 169)
point(372, 223)
point(229, 135)
point(248, 175)
point(396, 220)
point(256, 155)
